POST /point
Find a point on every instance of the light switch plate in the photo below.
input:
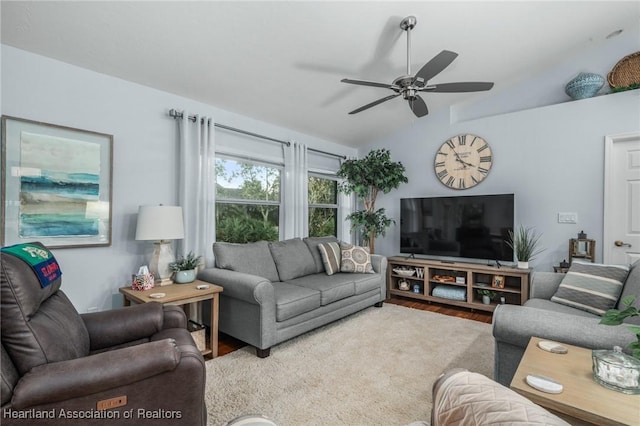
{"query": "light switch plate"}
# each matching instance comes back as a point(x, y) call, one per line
point(567, 217)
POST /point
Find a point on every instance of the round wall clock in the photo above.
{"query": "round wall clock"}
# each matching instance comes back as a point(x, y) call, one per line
point(463, 161)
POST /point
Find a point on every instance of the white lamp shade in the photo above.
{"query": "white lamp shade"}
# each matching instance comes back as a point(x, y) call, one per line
point(160, 223)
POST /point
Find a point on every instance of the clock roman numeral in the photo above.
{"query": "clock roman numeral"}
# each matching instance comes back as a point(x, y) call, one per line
point(483, 170)
point(450, 181)
point(451, 144)
point(462, 140)
point(485, 159)
point(441, 153)
point(475, 181)
point(473, 141)
point(440, 164)
point(461, 184)
point(442, 174)
point(483, 147)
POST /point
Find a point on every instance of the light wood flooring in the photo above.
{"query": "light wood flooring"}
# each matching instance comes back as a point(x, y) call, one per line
point(227, 344)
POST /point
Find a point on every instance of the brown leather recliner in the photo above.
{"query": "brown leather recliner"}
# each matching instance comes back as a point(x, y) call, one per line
point(137, 365)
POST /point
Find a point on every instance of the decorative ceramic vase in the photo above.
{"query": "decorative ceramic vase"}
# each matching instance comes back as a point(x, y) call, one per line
point(523, 265)
point(585, 85)
point(184, 277)
point(486, 300)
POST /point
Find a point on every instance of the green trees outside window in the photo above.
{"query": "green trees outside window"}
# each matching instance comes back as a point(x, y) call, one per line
point(247, 201)
point(323, 206)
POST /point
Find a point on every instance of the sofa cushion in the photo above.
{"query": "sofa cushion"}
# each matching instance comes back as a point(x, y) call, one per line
point(331, 257)
point(355, 259)
point(548, 305)
point(332, 288)
point(251, 258)
point(293, 259)
point(293, 300)
point(312, 243)
point(366, 282)
point(632, 288)
point(591, 287)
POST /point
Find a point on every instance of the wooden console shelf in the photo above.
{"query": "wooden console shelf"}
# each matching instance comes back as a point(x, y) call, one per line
point(467, 278)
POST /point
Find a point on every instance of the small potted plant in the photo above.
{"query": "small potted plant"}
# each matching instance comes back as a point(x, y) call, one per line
point(185, 268)
point(524, 242)
point(487, 296)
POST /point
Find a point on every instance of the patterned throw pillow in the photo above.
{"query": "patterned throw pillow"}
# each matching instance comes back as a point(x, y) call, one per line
point(355, 259)
point(591, 287)
point(331, 257)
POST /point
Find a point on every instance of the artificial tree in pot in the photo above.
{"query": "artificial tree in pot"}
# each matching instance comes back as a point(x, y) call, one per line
point(366, 178)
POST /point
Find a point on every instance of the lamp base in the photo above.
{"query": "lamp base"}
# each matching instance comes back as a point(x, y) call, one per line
point(160, 260)
point(165, 281)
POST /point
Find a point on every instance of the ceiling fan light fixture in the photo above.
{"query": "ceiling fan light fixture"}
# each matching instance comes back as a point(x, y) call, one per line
point(409, 85)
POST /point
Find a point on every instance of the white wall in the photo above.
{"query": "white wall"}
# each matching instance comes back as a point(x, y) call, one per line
point(144, 155)
point(551, 158)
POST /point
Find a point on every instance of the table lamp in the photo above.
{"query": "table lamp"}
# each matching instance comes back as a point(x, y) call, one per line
point(160, 224)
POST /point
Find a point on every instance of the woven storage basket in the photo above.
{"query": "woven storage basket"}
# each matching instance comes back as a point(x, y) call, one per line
point(626, 71)
point(198, 333)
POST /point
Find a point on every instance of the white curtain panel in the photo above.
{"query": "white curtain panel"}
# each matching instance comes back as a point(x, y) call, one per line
point(197, 186)
point(296, 193)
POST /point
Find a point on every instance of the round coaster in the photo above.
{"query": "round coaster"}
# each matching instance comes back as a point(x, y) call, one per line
point(157, 295)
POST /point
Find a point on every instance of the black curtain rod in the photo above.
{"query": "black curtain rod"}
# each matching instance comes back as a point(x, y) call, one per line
point(177, 114)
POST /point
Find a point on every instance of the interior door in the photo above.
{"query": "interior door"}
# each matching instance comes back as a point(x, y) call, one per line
point(622, 199)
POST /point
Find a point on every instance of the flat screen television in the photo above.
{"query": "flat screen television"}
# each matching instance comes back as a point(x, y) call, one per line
point(474, 227)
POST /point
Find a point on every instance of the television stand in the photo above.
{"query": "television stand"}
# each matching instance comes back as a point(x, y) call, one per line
point(457, 283)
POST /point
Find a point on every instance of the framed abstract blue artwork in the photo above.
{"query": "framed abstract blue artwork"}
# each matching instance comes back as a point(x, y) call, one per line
point(56, 185)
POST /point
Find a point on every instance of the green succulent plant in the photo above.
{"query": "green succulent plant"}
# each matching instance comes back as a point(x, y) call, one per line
point(186, 263)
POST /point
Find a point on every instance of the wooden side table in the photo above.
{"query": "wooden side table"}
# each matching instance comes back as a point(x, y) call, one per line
point(183, 294)
point(583, 400)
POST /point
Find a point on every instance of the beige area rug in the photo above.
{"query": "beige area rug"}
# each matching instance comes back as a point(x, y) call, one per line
point(372, 368)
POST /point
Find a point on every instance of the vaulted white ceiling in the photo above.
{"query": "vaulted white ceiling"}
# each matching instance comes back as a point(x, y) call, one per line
point(282, 62)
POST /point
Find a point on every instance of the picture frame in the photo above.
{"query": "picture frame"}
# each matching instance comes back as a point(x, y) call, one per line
point(56, 185)
point(498, 281)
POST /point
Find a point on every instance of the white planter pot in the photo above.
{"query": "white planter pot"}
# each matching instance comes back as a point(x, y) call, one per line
point(523, 265)
point(184, 277)
point(486, 300)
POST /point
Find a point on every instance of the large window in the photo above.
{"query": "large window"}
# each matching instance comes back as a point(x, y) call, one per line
point(247, 200)
point(323, 206)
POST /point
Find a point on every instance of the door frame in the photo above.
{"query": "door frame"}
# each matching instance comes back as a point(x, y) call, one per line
point(609, 141)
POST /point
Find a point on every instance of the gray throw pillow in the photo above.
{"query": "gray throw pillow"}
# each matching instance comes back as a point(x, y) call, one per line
point(331, 257)
point(355, 259)
point(293, 259)
point(591, 287)
point(312, 243)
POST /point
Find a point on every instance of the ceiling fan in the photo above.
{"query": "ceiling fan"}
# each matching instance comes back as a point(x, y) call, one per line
point(409, 85)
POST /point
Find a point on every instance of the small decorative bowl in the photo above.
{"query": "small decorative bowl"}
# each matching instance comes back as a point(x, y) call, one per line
point(585, 85)
point(405, 272)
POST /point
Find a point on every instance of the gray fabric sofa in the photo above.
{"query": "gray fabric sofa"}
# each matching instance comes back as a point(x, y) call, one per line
point(276, 291)
point(513, 325)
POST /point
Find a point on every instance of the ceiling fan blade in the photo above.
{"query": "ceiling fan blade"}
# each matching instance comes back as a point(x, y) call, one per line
point(374, 103)
point(418, 106)
point(367, 83)
point(469, 86)
point(436, 65)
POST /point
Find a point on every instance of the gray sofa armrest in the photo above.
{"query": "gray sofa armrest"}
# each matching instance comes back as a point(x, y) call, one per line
point(249, 288)
point(544, 285)
point(517, 324)
point(379, 264)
